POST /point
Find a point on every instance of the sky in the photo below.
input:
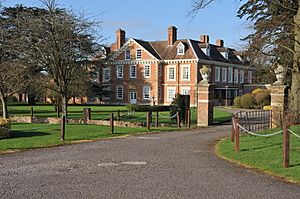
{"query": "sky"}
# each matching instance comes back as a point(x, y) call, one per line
point(149, 19)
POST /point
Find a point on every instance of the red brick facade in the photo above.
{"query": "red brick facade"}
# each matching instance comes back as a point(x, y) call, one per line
point(153, 72)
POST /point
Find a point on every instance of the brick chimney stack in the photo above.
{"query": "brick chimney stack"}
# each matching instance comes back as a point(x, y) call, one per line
point(220, 42)
point(172, 35)
point(120, 35)
point(204, 38)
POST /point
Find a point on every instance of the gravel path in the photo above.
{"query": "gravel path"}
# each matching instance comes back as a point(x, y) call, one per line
point(165, 165)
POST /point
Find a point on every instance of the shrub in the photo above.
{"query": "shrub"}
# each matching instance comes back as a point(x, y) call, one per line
point(247, 101)
point(4, 128)
point(237, 102)
point(263, 99)
point(132, 107)
point(258, 90)
point(178, 105)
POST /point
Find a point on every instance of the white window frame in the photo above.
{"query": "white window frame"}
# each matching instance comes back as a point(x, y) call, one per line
point(104, 96)
point(168, 93)
point(180, 49)
point(250, 76)
point(149, 71)
point(183, 89)
point(182, 73)
point(230, 74)
point(138, 56)
point(168, 73)
point(127, 52)
point(104, 73)
point(217, 73)
point(130, 71)
point(119, 74)
point(144, 92)
point(236, 75)
point(117, 93)
point(242, 76)
point(224, 74)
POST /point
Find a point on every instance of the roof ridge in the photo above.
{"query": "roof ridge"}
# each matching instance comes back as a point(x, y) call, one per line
point(155, 50)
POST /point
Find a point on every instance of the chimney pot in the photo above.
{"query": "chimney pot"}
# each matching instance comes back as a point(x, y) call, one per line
point(220, 42)
point(172, 35)
point(120, 36)
point(204, 38)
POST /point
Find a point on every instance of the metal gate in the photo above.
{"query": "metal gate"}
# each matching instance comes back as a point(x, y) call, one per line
point(254, 121)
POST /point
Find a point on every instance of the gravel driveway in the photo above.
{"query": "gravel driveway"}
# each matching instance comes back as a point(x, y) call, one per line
point(165, 165)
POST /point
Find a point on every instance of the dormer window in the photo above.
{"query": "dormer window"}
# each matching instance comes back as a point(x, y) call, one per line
point(225, 54)
point(180, 49)
point(206, 50)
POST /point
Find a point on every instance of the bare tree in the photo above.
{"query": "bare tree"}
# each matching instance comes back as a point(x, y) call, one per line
point(276, 34)
point(63, 43)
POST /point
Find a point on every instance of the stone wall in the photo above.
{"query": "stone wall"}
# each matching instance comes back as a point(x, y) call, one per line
point(50, 120)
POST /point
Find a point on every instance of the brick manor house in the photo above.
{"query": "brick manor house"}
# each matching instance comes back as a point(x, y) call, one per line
point(152, 72)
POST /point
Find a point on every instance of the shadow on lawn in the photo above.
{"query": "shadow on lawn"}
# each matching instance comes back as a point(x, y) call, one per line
point(18, 134)
point(262, 147)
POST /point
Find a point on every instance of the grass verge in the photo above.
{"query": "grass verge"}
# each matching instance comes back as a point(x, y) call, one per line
point(28, 136)
point(265, 154)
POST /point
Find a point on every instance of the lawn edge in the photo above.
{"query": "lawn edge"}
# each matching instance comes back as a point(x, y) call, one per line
point(7, 152)
point(253, 168)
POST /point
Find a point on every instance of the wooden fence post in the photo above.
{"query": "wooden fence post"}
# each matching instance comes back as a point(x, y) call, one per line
point(119, 115)
point(156, 119)
point(31, 112)
point(286, 145)
point(178, 120)
point(232, 128)
point(86, 115)
point(237, 136)
point(148, 120)
point(112, 123)
point(189, 118)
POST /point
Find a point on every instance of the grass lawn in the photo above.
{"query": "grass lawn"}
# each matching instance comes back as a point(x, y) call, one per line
point(265, 153)
point(103, 112)
point(26, 136)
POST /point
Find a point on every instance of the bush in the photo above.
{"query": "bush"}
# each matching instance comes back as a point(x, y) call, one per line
point(258, 90)
point(132, 107)
point(178, 105)
point(237, 102)
point(247, 101)
point(4, 128)
point(262, 99)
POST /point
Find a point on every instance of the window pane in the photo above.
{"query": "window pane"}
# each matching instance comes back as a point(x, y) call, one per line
point(217, 74)
point(127, 54)
point(186, 73)
point(146, 92)
point(171, 73)
point(132, 71)
point(119, 92)
point(106, 74)
point(147, 71)
point(138, 54)
point(171, 94)
point(119, 71)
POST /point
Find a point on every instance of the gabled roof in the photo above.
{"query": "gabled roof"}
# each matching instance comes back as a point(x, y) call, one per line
point(160, 50)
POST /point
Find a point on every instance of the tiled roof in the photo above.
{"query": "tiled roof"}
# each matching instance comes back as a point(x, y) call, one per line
point(193, 50)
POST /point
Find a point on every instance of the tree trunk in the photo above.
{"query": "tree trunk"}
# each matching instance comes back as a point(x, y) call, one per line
point(64, 115)
point(4, 106)
point(295, 87)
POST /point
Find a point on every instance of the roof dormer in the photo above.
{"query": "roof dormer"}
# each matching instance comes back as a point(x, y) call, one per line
point(225, 53)
point(180, 49)
point(206, 50)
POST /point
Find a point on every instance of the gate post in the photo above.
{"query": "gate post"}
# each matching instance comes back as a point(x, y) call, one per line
point(279, 99)
point(205, 104)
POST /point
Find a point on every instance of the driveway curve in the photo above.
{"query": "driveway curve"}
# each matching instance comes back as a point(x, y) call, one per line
point(166, 165)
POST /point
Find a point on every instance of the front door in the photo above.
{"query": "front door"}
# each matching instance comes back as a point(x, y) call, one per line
point(132, 95)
